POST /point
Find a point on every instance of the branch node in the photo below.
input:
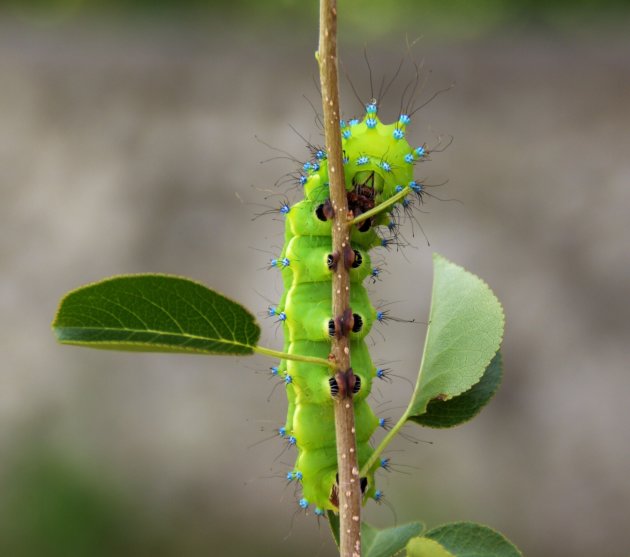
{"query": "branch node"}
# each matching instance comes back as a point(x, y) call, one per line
point(349, 257)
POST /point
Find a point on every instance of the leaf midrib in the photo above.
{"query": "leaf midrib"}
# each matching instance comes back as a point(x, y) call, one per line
point(162, 333)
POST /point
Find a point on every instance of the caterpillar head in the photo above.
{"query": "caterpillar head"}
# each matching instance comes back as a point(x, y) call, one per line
point(378, 162)
point(377, 155)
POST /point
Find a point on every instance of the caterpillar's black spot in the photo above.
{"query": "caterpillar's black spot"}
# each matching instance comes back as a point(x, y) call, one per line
point(345, 321)
point(358, 259)
point(340, 327)
point(320, 212)
point(365, 225)
point(357, 384)
point(331, 260)
point(358, 323)
point(325, 211)
point(334, 493)
point(334, 387)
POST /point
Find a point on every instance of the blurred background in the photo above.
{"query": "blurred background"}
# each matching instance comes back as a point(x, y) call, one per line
point(128, 143)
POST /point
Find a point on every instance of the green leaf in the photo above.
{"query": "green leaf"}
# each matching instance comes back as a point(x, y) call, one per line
point(155, 313)
point(460, 409)
point(462, 539)
point(425, 547)
point(333, 521)
point(379, 543)
point(465, 330)
point(389, 541)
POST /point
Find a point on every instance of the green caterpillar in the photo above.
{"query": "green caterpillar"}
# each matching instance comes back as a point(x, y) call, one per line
point(378, 163)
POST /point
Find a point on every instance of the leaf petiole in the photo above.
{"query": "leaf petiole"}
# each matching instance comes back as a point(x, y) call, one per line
point(381, 207)
point(386, 441)
point(295, 357)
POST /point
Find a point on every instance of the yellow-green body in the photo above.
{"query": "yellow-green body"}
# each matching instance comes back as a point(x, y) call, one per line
point(307, 303)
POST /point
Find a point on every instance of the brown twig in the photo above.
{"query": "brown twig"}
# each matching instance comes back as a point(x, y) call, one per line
point(349, 484)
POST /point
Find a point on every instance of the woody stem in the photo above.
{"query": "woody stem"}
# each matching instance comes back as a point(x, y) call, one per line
point(349, 484)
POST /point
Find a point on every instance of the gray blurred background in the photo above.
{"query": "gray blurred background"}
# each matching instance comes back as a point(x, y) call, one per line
point(128, 144)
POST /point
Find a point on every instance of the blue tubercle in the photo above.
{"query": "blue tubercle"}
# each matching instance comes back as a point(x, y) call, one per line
point(370, 123)
point(347, 134)
point(353, 122)
point(319, 512)
point(302, 179)
point(320, 155)
point(420, 151)
point(363, 159)
point(303, 503)
point(288, 379)
point(375, 273)
point(342, 123)
point(386, 166)
point(381, 373)
point(292, 440)
point(380, 316)
point(398, 134)
point(409, 158)
point(378, 495)
point(282, 431)
point(274, 370)
point(273, 312)
point(385, 463)
point(294, 476)
point(279, 263)
point(417, 188)
point(398, 189)
point(307, 166)
point(371, 108)
point(404, 119)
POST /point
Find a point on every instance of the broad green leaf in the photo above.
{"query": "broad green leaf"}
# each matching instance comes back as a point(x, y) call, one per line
point(389, 541)
point(379, 543)
point(426, 547)
point(155, 313)
point(465, 330)
point(460, 409)
point(463, 539)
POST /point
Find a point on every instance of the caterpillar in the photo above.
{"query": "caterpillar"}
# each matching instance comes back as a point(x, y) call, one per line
point(378, 163)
